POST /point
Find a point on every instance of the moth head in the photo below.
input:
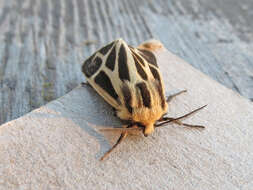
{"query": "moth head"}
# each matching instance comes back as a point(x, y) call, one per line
point(147, 129)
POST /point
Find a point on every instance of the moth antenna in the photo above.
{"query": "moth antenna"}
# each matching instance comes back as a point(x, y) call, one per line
point(124, 130)
point(176, 120)
point(181, 123)
point(121, 129)
point(121, 138)
point(169, 98)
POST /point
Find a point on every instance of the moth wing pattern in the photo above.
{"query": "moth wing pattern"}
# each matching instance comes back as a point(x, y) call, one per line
point(98, 76)
point(117, 70)
point(129, 80)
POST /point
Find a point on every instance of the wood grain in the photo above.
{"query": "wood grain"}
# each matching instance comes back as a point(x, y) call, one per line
point(43, 43)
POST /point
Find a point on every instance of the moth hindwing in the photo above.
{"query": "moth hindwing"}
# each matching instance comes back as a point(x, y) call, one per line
point(128, 79)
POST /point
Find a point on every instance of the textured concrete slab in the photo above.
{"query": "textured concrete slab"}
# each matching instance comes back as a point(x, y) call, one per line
point(58, 146)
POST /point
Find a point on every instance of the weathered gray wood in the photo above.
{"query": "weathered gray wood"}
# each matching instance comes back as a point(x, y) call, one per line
point(43, 43)
point(210, 42)
point(58, 146)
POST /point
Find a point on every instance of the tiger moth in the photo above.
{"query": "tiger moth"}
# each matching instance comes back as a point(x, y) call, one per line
point(130, 81)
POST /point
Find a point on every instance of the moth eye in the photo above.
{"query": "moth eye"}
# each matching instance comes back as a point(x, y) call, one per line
point(91, 65)
point(140, 125)
point(149, 56)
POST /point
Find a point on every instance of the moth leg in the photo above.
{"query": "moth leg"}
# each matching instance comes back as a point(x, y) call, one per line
point(181, 123)
point(121, 138)
point(169, 98)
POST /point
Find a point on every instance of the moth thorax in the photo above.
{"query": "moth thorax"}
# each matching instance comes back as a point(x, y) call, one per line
point(148, 129)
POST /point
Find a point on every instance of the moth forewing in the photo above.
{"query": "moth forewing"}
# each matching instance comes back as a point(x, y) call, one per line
point(100, 75)
point(125, 79)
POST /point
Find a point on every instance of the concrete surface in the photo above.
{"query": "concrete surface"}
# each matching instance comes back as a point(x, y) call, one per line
point(58, 146)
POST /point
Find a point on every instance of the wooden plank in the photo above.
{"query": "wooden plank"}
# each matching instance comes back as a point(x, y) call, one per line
point(211, 37)
point(213, 49)
point(58, 146)
point(43, 43)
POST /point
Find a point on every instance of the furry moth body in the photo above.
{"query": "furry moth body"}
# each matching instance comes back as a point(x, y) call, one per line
point(130, 81)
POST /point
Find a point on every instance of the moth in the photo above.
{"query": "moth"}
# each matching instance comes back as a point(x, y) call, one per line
point(129, 79)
